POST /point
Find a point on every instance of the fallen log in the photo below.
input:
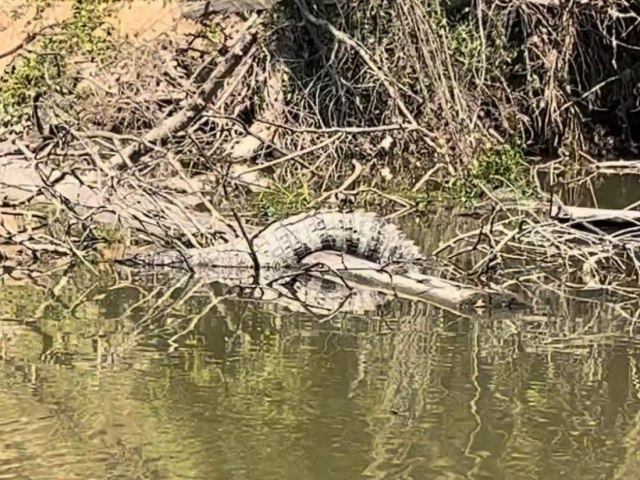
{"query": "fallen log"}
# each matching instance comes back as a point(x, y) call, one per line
point(367, 279)
point(596, 217)
point(366, 274)
point(124, 205)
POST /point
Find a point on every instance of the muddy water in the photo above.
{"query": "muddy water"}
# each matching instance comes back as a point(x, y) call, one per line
point(105, 377)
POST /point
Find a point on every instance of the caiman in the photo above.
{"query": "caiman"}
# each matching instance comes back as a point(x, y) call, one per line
point(282, 245)
point(278, 250)
point(275, 255)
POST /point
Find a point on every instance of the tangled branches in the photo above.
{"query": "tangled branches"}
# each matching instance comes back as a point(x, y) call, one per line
point(548, 256)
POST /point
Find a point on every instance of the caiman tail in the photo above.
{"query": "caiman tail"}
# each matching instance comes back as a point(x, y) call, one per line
point(362, 234)
point(284, 243)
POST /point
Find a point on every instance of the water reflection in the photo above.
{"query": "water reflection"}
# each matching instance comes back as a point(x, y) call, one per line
point(596, 190)
point(115, 376)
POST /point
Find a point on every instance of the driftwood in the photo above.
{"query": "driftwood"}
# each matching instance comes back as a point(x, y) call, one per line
point(597, 217)
point(414, 286)
point(618, 165)
point(125, 204)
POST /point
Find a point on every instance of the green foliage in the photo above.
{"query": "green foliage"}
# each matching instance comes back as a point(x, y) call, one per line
point(466, 46)
point(471, 52)
point(281, 201)
point(495, 167)
point(214, 33)
point(28, 77)
point(87, 31)
point(36, 73)
point(110, 235)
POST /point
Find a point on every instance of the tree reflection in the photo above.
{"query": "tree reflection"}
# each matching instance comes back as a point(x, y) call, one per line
point(171, 378)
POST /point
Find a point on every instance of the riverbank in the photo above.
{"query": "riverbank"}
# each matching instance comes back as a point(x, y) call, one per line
point(287, 91)
point(122, 130)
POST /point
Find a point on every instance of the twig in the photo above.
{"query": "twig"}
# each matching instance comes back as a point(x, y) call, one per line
point(357, 171)
point(27, 40)
point(252, 251)
point(380, 128)
point(293, 155)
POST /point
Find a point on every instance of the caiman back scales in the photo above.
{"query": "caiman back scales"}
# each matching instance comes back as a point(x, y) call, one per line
point(284, 243)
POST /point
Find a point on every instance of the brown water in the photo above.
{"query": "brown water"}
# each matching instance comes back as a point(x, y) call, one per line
point(104, 378)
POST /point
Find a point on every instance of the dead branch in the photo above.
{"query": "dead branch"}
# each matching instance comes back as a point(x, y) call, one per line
point(193, 107)
point(125, 205)
point(362, 51)
point(444, 292)
point(619, 218)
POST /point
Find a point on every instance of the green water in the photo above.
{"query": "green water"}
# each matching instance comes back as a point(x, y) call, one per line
point(107, 377)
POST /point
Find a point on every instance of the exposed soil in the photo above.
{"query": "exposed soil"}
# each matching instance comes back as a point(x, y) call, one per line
point(136, 21)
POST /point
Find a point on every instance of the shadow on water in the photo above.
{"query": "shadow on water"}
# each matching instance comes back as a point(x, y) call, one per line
point(115, 376)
